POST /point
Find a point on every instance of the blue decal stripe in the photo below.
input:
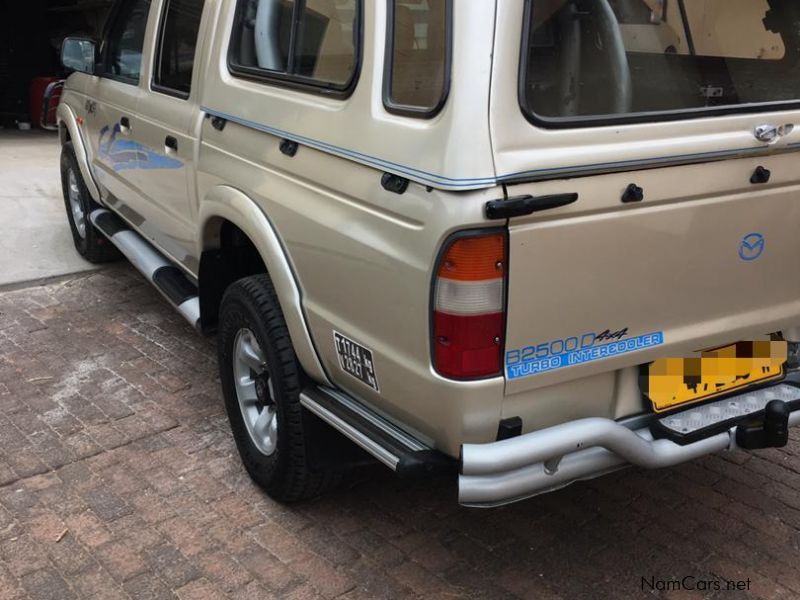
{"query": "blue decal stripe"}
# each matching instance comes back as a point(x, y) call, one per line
point(665, 160)
point(377, 162)
point(433, 178)
point(584, 355)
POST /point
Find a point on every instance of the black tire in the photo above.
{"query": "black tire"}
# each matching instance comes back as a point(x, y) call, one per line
point(91, 244)
point(287, 474)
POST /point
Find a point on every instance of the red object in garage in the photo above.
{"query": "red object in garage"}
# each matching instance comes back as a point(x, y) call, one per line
point(38, 88)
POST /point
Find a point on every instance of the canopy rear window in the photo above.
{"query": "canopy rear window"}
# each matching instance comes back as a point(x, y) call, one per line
point(599, 61)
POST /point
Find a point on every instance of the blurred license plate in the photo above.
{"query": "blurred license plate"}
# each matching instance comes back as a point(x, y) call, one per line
point(671, 382)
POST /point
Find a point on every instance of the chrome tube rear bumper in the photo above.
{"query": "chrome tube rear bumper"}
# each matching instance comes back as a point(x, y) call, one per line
point(528, 465)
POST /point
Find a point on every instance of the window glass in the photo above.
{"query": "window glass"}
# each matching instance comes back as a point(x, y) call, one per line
point(177, 45)
point(418, 68)
point(126, 39)
point(313, 40)
point(326, 48)
point(622, 57)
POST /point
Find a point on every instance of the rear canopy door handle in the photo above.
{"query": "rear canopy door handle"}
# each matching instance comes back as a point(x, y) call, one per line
point(171, 143)
point(519, 206)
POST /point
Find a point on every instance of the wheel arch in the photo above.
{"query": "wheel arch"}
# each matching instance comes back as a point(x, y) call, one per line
point(238, 240)
point(70, 132)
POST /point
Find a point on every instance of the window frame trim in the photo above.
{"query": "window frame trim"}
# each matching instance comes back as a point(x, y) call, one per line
point(638, 118)
point(298, 82)
point(159, 46)
point(407, 110)
point(101, 69)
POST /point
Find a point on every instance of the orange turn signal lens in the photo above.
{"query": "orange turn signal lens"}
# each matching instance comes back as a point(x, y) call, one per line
point(475, 259)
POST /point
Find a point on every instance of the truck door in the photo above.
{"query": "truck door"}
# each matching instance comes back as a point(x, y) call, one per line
point(166, 117)
point(112, 100)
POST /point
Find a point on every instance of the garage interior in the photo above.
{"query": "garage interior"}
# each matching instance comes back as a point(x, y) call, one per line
point(36, 243)
point(31, 32)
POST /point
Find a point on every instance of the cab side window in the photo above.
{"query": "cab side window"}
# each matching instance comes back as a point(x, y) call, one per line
point(312, 43)
point(417, 77)
point(180, 26)
point(123, 51)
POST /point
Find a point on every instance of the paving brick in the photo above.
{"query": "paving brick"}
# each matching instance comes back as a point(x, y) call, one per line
point(46, 526)
point(200, 590)
point(89, 529)
point(93, 580)
point(106, 504)
point(113, 433)
point(137, 534)
point(237, 513)
point(120, 561)
point(147, 587)
point(224, 571)
point(47, 584)
point(188, 537)
point(68, 556)
point(22, 555)
point(171, 566)
point(9, 585)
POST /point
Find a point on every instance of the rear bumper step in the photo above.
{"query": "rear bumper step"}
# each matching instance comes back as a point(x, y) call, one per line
point(160, 271)
point(393, 447)
point(509, 470)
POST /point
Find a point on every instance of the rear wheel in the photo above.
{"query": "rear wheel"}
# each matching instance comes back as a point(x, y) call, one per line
point(89, 242)
point(261, 382)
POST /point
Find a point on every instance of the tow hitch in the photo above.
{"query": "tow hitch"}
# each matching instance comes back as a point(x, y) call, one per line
point(769, 431)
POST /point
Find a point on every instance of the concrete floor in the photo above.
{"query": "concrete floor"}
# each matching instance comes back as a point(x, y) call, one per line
point(35, 240)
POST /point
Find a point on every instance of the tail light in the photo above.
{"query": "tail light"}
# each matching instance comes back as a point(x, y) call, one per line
point(469, 306)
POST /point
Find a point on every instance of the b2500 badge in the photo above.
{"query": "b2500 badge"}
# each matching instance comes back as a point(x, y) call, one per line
point(576, 350)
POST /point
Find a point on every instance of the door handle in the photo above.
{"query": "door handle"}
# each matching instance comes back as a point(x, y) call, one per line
point(771, 134)
point(125, 124)
point(171, 143)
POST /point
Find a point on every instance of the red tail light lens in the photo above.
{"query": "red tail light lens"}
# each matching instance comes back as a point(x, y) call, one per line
point(469, 306)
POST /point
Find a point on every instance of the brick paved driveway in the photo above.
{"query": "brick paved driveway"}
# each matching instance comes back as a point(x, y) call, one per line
point(119, 479)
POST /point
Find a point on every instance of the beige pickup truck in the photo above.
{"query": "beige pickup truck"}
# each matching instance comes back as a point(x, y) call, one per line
point(524, 242)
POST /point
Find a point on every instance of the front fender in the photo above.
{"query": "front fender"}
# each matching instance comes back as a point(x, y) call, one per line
point(230, 204)
point(67, 116)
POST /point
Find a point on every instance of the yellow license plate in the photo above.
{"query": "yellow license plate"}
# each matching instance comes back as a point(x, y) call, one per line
point(671, 382)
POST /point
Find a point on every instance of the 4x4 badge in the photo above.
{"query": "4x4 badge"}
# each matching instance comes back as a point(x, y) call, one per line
point(91, 107)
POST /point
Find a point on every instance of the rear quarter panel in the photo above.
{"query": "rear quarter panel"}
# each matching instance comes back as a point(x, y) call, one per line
point(363, 257)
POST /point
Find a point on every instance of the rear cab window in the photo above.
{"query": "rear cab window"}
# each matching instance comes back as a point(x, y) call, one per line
point(314, 45)
point(417, 77)
point(603, 61)
point(177, 44)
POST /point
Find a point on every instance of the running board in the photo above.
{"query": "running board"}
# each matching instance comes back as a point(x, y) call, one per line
point(393, 447)
point(160, 271)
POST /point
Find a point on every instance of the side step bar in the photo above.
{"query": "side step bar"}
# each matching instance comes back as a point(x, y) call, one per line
point(165, 276)
point(393, 447)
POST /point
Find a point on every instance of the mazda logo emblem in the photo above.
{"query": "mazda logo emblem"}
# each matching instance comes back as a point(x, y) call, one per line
point(752, 246)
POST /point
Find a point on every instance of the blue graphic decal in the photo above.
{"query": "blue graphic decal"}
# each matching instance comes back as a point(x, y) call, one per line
point(538, 359)
point(124, 154)
point(450, 182)
point(752, 246)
